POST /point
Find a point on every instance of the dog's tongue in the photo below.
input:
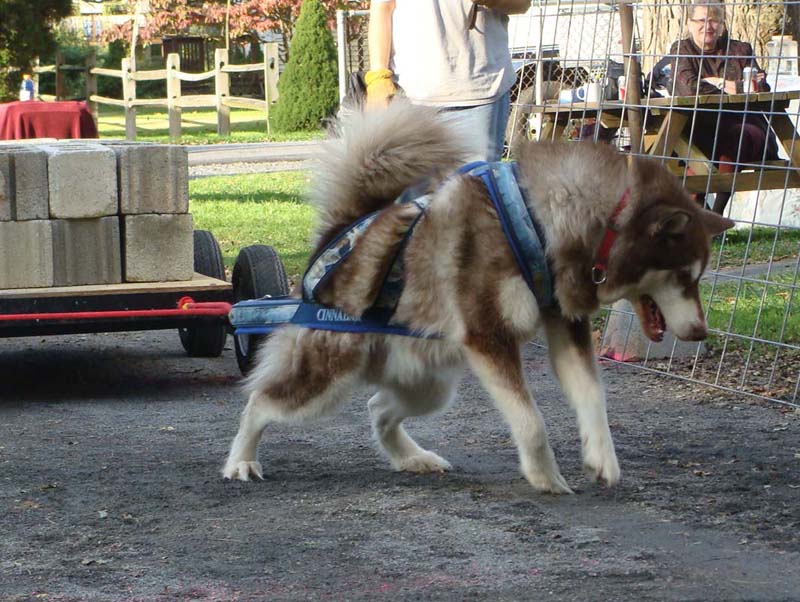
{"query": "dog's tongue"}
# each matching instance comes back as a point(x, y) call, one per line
point(651, 319)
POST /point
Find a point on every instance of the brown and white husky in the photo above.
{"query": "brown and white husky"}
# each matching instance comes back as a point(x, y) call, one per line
point(462, 283)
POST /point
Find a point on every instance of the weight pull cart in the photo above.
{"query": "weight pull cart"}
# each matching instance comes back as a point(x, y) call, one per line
point(198, 308)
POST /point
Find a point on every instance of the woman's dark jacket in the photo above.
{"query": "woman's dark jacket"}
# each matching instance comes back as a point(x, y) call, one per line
point(727, 61)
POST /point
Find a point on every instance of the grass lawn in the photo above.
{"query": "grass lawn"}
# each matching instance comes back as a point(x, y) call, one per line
point(758, 245)
point(198, 126)
point(766, 311)
point(251, 209)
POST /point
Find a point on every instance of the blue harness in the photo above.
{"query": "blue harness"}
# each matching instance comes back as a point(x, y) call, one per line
point(522, 231)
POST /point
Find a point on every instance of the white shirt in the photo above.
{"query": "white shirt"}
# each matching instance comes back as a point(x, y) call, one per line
point(438, 61)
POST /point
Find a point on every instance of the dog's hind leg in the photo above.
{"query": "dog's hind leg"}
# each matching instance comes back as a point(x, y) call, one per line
point(499, 367)
point(575, 366)
point(301, 374)
point(393, 404)
point(242, 462)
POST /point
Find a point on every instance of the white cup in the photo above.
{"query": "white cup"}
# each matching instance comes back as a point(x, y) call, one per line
point(566, 96)
point(586, 93)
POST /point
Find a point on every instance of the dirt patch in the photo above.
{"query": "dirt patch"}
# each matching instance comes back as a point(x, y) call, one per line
point(111, 445)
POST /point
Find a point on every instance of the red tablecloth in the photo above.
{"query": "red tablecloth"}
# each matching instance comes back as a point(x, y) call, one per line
point(37, 119)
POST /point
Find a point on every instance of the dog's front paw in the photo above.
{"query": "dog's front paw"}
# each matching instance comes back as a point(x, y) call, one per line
point(242, 471)
point(600, 462)
point(421, 463)
point(549, 481)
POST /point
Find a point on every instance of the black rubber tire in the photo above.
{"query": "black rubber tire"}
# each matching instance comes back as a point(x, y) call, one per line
point(206, 340)
point(517, 126)
point(257, 273)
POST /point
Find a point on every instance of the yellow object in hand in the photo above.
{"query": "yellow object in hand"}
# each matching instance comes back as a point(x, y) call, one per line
point(380, 87)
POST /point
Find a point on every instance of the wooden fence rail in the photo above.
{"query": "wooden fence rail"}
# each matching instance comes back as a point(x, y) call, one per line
point(221, 100)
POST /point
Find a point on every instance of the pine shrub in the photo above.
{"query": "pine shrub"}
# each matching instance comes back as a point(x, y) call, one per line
point(308, 87)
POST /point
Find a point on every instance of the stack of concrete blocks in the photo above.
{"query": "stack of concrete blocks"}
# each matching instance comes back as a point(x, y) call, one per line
point(85, 212)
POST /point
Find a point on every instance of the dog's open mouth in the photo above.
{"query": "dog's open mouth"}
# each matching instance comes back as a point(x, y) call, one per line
point(651, 318)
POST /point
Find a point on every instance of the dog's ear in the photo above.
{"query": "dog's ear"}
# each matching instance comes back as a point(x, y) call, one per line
point(669, 221)
point(714, 223)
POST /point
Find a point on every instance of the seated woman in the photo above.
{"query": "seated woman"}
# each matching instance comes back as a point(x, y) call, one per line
point(709, 62)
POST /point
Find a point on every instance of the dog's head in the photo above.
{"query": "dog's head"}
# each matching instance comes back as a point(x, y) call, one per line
point(660, 251)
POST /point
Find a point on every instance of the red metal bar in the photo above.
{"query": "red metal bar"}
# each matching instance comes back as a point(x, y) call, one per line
point(187, 307)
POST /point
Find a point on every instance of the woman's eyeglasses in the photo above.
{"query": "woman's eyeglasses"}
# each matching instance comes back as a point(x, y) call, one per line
point(704, 22)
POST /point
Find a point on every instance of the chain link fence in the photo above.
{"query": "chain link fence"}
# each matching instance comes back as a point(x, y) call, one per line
point(593, 71)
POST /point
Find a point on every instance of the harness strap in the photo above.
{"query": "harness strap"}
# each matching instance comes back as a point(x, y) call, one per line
point(523, 232)
point(323, 264)
point(378, 318)
point(264, 316)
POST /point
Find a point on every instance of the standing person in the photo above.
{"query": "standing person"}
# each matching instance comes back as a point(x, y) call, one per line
point(451, 54)
point(709, 62)
point(26, 88)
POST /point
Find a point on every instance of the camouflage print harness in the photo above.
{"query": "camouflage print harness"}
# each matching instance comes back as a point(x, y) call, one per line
point(522, 231)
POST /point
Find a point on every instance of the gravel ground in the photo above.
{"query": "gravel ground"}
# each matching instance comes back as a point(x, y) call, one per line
point(110, 447)
point(244, 167)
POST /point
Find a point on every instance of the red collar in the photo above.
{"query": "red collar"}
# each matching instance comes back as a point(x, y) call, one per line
point(601, 259)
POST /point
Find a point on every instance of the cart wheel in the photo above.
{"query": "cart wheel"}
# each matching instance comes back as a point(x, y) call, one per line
point(207, 340)
point(258, 272)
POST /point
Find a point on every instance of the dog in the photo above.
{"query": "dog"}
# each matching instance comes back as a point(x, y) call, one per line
point(614, 227)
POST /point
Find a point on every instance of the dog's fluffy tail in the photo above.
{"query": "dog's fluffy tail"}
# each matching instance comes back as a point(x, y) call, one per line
point(377, 154)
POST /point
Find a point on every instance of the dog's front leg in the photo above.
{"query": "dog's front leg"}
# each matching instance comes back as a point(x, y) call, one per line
point(574, 362)
point(499, 368)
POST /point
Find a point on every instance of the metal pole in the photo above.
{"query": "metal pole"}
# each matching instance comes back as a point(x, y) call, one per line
point(341, 41)
point(228, 25)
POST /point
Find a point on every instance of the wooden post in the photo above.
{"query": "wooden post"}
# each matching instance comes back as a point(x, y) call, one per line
point(174, 96)
point(129, 95)
point(91, 83)
point(61, 87)
point(271, 74)
point(222, 90)
point(633, 75)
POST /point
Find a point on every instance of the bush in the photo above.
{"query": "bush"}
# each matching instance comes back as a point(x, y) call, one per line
point(111, 58)
point(308, 88)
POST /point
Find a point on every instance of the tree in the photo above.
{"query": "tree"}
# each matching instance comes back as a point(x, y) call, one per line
point(248, 19)
point(308, 87)
point(756, 23)
point(26, 31)
point(662, 24)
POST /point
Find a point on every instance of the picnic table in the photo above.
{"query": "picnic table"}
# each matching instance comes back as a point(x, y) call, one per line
point(659, 129)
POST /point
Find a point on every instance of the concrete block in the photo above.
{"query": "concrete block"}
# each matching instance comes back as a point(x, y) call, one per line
point(26, 142)
point(26, 254)
point(82, 179)
point(24, 192)
point(153, 178)
point(158, 247)
point(6, 189)
point(625, 341)
point(86, 251)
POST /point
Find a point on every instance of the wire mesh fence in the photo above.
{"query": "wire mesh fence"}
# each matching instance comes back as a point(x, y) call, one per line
point(621, 73)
